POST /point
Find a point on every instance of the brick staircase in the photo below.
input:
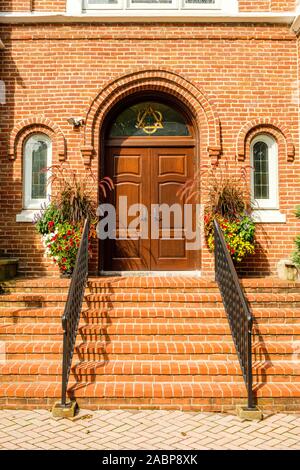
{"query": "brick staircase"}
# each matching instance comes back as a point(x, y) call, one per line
point(148, 342)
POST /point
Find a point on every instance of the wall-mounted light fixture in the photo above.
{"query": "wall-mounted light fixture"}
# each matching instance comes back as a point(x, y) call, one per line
point(76, 121)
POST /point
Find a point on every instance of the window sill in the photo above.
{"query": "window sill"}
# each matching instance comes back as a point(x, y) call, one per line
point(269, 217)
point(27, 215)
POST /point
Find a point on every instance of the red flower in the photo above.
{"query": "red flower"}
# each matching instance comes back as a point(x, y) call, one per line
point(64, 260)
point(50, 224)
point(63, 268)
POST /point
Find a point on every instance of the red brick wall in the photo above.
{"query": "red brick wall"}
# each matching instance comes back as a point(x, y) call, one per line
point(49, 5)
point(283, 5)
point(15, 5)
point(267, 5)
point(55, 70)
point(254, 5)
point(35, 5)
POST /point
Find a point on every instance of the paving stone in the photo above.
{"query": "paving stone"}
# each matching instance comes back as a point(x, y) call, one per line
point(121, 430)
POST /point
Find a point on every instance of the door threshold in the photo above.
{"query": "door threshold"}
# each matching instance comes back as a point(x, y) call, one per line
point(152, 273)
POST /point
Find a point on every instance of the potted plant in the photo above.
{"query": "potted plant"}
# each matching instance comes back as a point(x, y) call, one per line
point(61, 222)
point(228, 201)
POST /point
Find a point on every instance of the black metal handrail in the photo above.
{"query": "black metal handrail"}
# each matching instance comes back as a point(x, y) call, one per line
point(236, 307)
point(71, 315)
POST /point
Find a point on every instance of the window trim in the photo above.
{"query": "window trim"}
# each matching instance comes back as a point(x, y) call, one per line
point(127, 5)
point(273, 201)
point(28, 202)
point(216, 6)
point(154, 6)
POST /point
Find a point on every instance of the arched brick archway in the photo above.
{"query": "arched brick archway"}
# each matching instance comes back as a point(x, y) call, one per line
point(163, 81)
point(264, 125)
point(35, 124)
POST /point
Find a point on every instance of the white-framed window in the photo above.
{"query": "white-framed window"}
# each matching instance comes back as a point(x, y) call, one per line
point(37, 158)
point(151, 4)
point(264, 173)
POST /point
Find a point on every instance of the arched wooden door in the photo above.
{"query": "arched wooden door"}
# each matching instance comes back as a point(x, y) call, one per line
point(149, 154)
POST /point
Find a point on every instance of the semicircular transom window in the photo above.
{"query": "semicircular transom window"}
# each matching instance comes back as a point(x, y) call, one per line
point(149, 118)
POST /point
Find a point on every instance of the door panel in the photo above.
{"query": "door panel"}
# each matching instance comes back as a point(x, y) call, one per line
point(128, 168)
point(170, 169)
point(151, 176)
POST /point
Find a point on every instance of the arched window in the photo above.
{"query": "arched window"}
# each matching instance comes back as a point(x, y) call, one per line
point(149, 118)
point(37, 158)
point(264, 172)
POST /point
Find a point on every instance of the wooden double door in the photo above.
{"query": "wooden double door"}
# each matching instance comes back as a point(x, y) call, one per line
point(148, 177)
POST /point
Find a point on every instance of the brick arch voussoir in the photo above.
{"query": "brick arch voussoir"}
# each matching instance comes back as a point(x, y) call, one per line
point(36, 124)
point(264, 124)
point(155, 80)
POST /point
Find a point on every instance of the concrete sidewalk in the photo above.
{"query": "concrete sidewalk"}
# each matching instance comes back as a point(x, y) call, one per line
point(146, 430)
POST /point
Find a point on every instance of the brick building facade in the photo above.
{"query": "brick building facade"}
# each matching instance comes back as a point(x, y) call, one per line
point(234, 68)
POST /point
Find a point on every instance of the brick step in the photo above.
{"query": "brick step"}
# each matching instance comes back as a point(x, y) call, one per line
point(144, 329)
point(113, 319)
point(34, 290)
point(176, 299)
point(122, 351)
point(96, 290)
point(195, 283)
point(24, 315)
point(143, 390)
point(30, 331)
point(174, 283)
point(93, 288)
point(33, 300)
point(137, 313)
point(153, 371)
point(131, 331)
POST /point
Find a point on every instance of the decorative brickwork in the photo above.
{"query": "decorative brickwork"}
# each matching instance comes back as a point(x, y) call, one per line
point(268, 125)
point(248, 72)
point(33, 125)
point(160, 80)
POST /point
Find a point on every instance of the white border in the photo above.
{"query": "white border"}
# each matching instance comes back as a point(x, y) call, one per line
point(88, 6)
point(269, 217)
point(145, 16)
point(85, 7)
point(273, 201)
point(28, 202)
point(27, 215)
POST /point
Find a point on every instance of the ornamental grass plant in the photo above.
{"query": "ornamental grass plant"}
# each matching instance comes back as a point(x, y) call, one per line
point(228, 201)
point(61, 222)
